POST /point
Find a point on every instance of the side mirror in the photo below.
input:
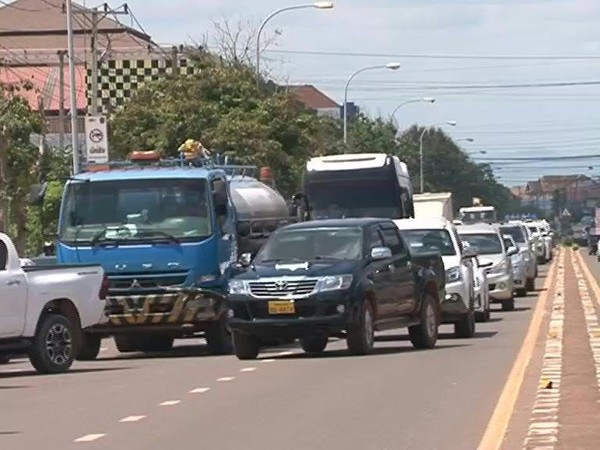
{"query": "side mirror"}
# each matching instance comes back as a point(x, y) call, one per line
point(245, 259)
point(469, 252)
point(378, 253)
point(512, 251)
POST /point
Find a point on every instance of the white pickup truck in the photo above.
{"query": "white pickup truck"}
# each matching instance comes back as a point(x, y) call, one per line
point(45, 310)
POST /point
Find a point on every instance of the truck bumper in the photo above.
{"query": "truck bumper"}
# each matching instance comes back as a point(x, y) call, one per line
point(184, 309)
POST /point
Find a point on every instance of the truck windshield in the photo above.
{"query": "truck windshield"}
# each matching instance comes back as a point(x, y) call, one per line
point(426, 241)
point(347, 199)
point(517, 233)
point(135, 210)
point(310, 244)
point(484, 243)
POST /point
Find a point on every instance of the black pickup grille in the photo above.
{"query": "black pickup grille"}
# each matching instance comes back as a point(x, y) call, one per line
point(282, 288)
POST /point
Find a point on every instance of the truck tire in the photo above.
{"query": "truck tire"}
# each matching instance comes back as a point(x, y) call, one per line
point(508, 304)
point(218, 338)
point(360, 336)
point(4, 359)
point(465, 327)
point(150, 344)
point(53, 346)
point(245, 346)
point(90, 347)
point(126, 344)
point(425, 334)
point(314, 344)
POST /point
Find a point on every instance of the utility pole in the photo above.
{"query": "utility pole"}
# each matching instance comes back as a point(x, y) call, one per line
point(72, 88)
point(61, 98)
point(96, 18)
point(175, 60)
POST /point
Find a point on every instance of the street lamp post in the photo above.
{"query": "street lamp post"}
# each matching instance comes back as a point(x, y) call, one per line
point(390, 66)
point(416, 100)
point(72, 87)
point(452, 123)
point(317, 5)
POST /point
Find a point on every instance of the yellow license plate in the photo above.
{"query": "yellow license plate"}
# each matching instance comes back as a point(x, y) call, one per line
point(282, 307)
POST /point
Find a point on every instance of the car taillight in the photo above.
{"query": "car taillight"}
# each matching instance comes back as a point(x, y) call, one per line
point(104, 288)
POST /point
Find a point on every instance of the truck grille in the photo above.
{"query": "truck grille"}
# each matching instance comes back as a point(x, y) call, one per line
point(282, 288)
point(145, 282)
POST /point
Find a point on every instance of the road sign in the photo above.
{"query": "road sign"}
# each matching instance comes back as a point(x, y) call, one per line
point(566, 213)
point(96, 139)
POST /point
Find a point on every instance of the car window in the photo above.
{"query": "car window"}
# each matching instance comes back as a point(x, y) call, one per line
point(485, 243)
point(3, 255)
point(426, 241)
point(374, 239)
point(392, 240)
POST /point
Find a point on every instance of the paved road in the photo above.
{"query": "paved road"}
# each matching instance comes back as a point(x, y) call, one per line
point(397, 398)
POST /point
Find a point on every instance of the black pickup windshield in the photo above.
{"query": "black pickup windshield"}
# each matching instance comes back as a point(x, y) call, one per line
point(135, 210)
point(309, 244)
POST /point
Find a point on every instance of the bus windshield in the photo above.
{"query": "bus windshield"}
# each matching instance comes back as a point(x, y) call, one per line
point(347, 199)
point(135, 210)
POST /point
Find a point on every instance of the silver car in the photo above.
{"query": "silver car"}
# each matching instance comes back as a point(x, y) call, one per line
point(487, 241)
point(527, 258)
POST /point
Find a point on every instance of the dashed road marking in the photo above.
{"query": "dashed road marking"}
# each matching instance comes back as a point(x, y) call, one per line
point(287, 353)
point(132, 419)
point(543, 426)
point(199, 390)
point(225, 378)
point(248, 369)
point(90, 437)
point(170, 403)
point(269, 360)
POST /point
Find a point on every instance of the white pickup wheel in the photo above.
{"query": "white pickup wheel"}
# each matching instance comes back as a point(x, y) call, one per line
point(53, 347)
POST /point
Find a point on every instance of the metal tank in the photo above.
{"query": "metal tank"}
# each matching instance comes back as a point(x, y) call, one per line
point(260, 211)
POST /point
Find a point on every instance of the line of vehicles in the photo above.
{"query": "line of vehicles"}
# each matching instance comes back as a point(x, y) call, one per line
point(197, 247)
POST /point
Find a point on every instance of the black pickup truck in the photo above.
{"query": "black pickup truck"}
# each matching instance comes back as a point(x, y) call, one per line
point(323, 278)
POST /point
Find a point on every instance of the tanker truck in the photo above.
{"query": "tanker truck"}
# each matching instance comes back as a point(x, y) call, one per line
point(168, 234)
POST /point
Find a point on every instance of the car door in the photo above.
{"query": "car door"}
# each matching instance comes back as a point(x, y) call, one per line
point(379, 275)
point(13, 292)
point(401, 278)
point(225, 221)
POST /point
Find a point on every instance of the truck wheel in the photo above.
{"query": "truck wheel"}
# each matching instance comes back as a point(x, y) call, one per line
point(151, 344)
point(530, 284)
point(425, 334)
point(314, 344)
point(90, 348)
point(245, 346)
point(126, 344)
point(53, 346)
point(4, 359)
point(465, 327)
point(360, 337)
point(218, 338)
point(508, 305)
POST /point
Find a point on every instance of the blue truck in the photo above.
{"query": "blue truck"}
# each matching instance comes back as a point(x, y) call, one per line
point(168, 234)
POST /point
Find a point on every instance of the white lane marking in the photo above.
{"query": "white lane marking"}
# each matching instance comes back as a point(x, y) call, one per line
point(199, 391)
point(170, 403)
point(248, 369)
point(267, 360)
point(14, 371)
point(543, 425)
point(132, 419)
point(225, 378)
point(89, 437)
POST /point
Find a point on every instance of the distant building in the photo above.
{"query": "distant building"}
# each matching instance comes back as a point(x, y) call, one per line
point(580, 191)
point(314, 99)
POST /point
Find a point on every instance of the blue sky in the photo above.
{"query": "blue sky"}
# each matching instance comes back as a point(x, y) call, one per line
point(505, 122)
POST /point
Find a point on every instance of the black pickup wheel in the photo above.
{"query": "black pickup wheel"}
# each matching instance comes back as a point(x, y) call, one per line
point(360, 337)
point(245, 346)
point(314, 344)
point(425, 334)
point(218, 337)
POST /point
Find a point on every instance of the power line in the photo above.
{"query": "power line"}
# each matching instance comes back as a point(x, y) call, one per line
point(20, 8)
point(438, 56)
point(543, 158)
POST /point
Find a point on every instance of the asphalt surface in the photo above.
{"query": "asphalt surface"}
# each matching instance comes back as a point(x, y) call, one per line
point(396, 398)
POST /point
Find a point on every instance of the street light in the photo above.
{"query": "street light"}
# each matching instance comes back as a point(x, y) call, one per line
point(317, 5)
point(452, 123)
point(389, 66)
point(416, 100)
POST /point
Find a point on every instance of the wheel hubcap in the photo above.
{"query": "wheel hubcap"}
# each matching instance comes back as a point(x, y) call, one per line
point(430, 320)
point(59, 344)
point(369, 337)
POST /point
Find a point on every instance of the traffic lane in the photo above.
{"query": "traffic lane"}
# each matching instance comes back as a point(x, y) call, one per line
point(53, 410)
point(396, 398)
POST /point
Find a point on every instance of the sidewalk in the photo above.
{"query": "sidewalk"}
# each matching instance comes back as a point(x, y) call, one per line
point(559, 400)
